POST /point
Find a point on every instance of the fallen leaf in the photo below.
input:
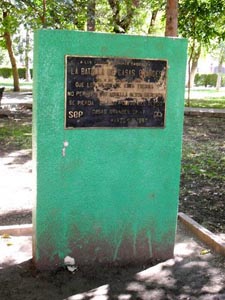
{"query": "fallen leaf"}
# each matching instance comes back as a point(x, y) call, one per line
point(205, 251)
point(6, 236)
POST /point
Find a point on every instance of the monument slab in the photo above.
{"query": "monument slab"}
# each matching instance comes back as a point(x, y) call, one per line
point(107, 129)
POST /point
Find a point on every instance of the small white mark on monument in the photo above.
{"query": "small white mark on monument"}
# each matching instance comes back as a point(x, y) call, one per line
point(70, 263)
point(65, 144)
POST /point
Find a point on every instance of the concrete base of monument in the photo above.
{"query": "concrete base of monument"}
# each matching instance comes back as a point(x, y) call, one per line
point(16, 241)
point(189, 275)
point(95, 252)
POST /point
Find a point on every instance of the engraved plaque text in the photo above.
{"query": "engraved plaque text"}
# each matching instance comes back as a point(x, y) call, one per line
point(104, 92)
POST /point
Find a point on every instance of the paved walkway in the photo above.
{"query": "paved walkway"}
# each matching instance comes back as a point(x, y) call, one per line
point(16, 182)
point(204, 111)
point(10, 98)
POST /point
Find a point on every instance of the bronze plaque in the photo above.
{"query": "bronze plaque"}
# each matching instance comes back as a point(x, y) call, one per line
point(115, 92)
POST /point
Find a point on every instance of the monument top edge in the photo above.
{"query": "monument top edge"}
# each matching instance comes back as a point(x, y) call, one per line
point(81, 32)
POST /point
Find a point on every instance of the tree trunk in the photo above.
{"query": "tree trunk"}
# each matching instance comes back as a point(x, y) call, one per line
point(218, 81)
point(91, 15)
point(122, 25)
point(43, 17)
point(27, 60)
point(193, 71)
point(13, 61)
point(8, 43)
point(114, 4)
point(171, 18)
point(189, 73)
point(219, 74)
point(152, 21)
point(194, 65)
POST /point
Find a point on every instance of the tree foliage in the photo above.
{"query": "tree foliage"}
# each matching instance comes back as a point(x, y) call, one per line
point(61, 14)
point(199, 20)
point(202, 20)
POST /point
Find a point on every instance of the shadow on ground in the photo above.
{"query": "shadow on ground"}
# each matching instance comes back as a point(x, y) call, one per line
point(174, 279)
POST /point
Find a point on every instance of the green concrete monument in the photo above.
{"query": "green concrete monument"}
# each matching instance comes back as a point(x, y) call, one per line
point(107, 132)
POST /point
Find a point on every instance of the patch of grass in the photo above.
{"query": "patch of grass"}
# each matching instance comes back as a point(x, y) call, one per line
point(207, 90)
point(15, 135)
point(8, 84)
point(207, 160)
point(207, 103)
point(206, 98)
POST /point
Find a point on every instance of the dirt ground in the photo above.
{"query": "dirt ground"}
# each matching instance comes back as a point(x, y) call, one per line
point(202, 188)
point(189, 276)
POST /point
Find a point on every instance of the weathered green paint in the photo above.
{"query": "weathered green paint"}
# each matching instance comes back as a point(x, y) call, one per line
point(114, 195)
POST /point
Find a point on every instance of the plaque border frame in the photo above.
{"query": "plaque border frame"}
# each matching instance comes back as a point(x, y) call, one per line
point(112, 57)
